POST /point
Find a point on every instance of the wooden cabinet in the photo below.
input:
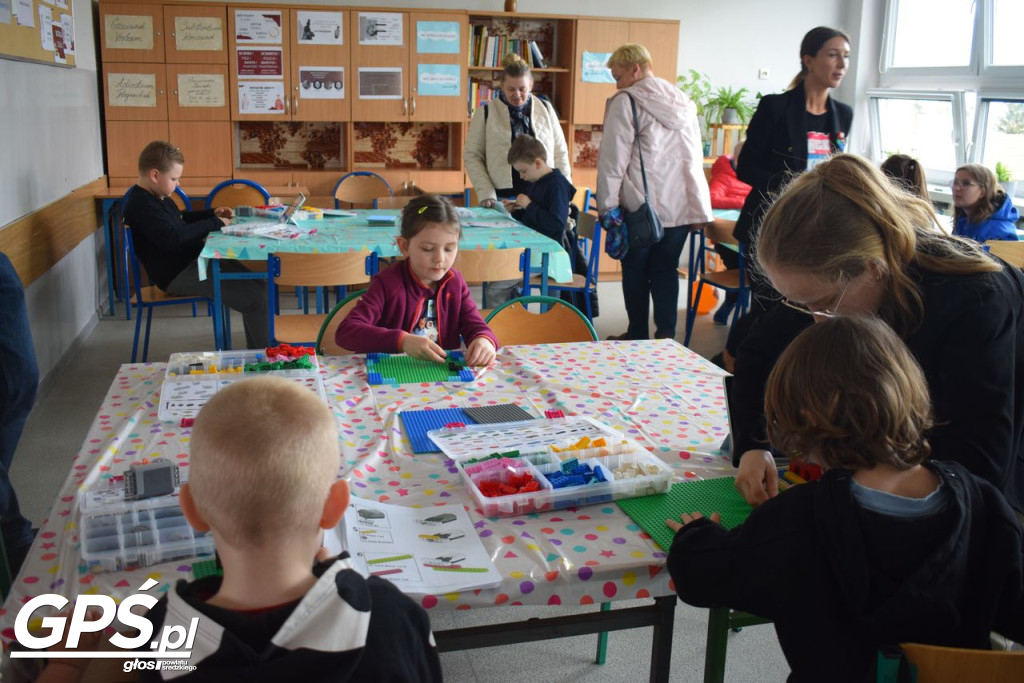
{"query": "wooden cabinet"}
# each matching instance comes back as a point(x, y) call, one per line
point(131, 33)
point(595, 36)
point(405, 69)
point(134, 92)
point(195, 35)
point(320, 75)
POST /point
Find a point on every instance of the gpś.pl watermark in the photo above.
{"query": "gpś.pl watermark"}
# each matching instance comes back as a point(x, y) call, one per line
point(171, 650)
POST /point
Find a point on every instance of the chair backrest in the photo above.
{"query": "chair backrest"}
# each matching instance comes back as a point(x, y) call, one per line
point(470, 198)
point(720, 231)
point(315, 270)
point(237, 192)
point(514, 324)
point(586, 198)
point(134, 267)
point(397, 202)
point(956, 665)
point(490, 265)
point(325, 344)
point(181, 199)
point(358, 189)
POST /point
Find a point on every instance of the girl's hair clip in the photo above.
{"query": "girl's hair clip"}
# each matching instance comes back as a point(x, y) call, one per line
point(422, 209)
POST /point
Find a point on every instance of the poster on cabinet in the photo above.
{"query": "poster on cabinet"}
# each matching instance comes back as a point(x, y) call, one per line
point(200, 90)
point(261, 97)
point(320, 28)
point(257, 26)
point(381, 28)
point(264, 62)
point(198, 33)
point(322, 82)
point(380, 83)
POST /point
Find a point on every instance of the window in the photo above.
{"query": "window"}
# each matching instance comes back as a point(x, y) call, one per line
point(1000, 134)
point(1007, 48)
point(931, 33)
point(925, 125)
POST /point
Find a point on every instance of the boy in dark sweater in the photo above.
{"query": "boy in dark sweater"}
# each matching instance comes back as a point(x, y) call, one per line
point(168, 241)
point(545, 206)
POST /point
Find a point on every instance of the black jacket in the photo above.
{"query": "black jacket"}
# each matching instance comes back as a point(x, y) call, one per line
point(840, 581)
point(548, 211)
point(776, 147)
point(167, 240)
point(970, 345)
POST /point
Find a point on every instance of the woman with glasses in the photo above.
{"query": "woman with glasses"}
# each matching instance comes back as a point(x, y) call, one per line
point(844, 240)
point(983, 210)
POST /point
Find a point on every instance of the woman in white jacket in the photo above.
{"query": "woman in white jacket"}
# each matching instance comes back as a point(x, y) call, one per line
point(678, 191)
point(494, 126)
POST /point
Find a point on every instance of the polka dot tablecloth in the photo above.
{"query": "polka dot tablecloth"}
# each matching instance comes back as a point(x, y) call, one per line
point(656, 392)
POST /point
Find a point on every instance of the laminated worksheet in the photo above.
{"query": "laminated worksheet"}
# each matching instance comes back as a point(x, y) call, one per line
point(420, 550)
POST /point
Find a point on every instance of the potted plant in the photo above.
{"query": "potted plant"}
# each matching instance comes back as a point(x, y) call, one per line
point(1005, 177)
point(729, 106)
point(697, 87)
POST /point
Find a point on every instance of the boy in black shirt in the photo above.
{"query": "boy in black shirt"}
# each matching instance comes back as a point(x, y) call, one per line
point(545, 207)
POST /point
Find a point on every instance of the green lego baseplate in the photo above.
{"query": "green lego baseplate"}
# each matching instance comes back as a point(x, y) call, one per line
point(384, 368)
point(705, 496)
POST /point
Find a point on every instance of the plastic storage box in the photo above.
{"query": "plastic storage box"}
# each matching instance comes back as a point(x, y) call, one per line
point(530, 451)
point(193, 378)
point(117, 534)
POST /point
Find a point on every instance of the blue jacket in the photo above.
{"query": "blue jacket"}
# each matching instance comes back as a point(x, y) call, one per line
point(1002, 225)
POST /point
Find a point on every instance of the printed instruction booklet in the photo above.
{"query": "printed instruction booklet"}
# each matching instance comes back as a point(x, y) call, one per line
point(420, 550)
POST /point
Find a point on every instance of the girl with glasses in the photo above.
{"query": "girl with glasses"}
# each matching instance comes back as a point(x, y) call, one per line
point(983, 211)
point(844, 240)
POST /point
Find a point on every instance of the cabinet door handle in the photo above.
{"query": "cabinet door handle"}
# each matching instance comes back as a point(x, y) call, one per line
point(414, 105)
point(405, 106)
point(286, 104)
point(295, 105)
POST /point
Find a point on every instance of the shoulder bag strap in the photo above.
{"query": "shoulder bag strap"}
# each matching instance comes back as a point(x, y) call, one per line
point(639, 147)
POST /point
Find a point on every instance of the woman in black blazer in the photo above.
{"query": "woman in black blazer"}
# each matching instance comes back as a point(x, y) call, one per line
point(778, 139)
point(843, 240)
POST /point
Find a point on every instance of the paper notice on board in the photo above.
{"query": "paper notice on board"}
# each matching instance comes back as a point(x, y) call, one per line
point(26, 13)
point(264, 62)
point(595, 69)
point(200, 90)
point(63, 4)
point(129, 32)
point(5, 11)
point(46, 28)
point(257, 26)
point(68, 24)
point(59, 53)
point(131, 90)
point(320, 28)
point(261, 97)
point(198, 33)
point(322, 82)
point(380, 83)
point(381, 28)
point(437, 37)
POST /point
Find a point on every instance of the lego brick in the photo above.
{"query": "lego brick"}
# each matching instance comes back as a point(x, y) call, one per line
point(418, 422)
point(705, 496)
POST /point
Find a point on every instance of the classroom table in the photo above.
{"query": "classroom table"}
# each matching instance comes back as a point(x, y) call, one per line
point(334, 234)
point(110, 203)
point(658, 393)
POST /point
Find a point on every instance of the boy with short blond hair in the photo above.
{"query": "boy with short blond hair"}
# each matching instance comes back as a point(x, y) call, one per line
point(262, 478)
point(168, 241)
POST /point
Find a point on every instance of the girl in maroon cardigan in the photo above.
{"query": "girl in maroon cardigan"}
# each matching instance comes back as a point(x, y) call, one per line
point(421, 305)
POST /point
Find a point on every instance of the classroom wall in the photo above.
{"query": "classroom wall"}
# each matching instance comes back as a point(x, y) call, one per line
point(51, 123)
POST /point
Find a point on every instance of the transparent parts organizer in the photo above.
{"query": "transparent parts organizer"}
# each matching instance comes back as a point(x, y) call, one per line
point(517, 468)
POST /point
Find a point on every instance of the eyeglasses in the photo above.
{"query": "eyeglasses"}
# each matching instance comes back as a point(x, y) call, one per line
point(963, 183)
point(823, 313)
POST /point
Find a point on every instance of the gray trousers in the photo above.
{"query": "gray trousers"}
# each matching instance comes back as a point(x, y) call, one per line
point(248, 297)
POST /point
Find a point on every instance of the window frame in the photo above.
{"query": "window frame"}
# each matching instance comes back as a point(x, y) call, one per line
point(954, 97)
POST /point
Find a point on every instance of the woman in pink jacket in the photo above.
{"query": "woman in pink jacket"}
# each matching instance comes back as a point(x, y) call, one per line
point(678, 190)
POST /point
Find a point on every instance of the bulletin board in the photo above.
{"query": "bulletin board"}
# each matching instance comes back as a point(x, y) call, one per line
point(38, 31)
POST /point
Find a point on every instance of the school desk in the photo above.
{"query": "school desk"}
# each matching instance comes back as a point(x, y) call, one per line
point(657, 392)
point(353, 233)
point(110, 202)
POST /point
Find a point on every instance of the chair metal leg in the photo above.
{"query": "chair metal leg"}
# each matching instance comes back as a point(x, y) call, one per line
point(195, 309)
point(718, 641)
point(138, 327)
point(602, 638)
point(149, 322)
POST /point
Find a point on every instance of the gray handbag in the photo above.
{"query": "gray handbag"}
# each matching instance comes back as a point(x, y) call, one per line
point(643, 227)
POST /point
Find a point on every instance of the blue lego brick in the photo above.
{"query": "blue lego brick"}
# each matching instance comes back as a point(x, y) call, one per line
point(418, 422)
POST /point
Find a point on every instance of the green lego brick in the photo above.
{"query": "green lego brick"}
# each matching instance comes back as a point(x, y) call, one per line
point(204, 568)
point(406, 370)
point(706, 496)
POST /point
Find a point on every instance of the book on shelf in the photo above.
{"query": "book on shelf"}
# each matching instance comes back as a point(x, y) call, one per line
point(537, 57)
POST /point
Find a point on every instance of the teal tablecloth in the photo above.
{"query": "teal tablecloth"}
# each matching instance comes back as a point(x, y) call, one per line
point(335, 234)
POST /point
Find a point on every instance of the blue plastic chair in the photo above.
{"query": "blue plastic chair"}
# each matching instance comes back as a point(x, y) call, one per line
point(561, 323)
point(589, 229)
point(150, 297)
point(362, 188)
point(735, 280)
point(186, 202)
point(238, 192)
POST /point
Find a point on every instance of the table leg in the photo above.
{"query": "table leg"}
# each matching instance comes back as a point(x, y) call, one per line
point(661, 643)
point(218, 309)
point(108, 249)
point(545, 260)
